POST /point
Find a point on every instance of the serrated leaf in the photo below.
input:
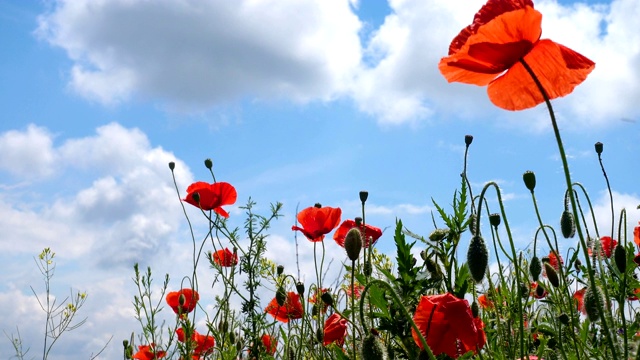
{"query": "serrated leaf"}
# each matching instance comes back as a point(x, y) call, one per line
point(376, 297)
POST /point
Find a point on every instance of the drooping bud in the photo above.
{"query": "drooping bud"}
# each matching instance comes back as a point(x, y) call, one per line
point(535, 268)
point(372, 348)
point(300, 288)
point(281, 296)
point(208, 164)
point(353, 244)
point(564, 319)
point(494, 220)
point(599, 147)
point(172, 165)
point(438, 235)
point(529, 178)
point(477, 258)
point(468, 139)
point(280, 269)
point(567, 224)
point(591, 298)
point(620, 257)
point(577, 265)
point(552, 275)
point(327, 298)
point(364, 195)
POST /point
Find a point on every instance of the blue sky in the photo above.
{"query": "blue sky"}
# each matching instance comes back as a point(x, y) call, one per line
point(300, 103)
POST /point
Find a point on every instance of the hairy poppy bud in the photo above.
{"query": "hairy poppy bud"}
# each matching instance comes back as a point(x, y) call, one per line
point(239, 346)
point(438, 235)
point(353, 244)
point(300, 288)
point(591, 298)
point(529, 178)
point(172, 165)
point(468, 139)
point(475, 310)
point(327, 298)
point(319, 335)
point(494, 220)
point(535, 268)
point(472, 224)
point(232, 337)
point(364, 195)
point(567, 224)
point(564, 319)
point(208, 164)
point(552, 275)
point(372, 348)
point(281, 296)
point(280, 269)
point(599, 147)
point(477, 258)
point(620, 257)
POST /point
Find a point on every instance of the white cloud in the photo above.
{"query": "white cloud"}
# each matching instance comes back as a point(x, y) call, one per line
point(602, 212)
point(28, 153)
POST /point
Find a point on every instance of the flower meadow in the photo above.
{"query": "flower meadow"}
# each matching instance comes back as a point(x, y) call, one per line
point(450, 302)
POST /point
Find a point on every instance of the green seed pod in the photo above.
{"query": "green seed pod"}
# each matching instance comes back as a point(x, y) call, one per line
point(438, 235)
point(552, 275)
point(599, 147)
point(300, 288)
point(280, 269)
point(172, 165)
point(591, 299)
point(281, 296)
point(529, 178)
point(372, 348)
point(208, 164)
point(564, 319)
point(477, 258)
point(353, 244)
point(494, 220)
point(620, 257)
point(327, 298)
point(364, 195)
point(468, 139)
point(535, 268)
point(567, 224)
point(232, 337)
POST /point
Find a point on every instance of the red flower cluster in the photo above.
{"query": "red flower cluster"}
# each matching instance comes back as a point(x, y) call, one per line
point(212, 196)
point(370, 234)
point(448, 325)
point(318, 221)
point(189, 300)
point(490, 51)
point(290, 310)
point(540, 293)
point(148, 352)
point(225, 258)
point(335, 330)
point(203, 343)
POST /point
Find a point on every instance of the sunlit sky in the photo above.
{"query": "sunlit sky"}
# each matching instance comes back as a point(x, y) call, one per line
point(295, 102)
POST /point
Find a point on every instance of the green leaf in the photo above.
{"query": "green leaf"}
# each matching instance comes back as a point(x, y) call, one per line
point(376, 297)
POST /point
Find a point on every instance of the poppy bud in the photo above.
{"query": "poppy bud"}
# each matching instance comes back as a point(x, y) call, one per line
point(281, 296)
point(477, 258)
point(552, 275)
point(591, 299)
point(423, 255)
point(414, 261)
point(319, 335)
point(232, 337)
point(300, 288)
point(567, 224)
point(529, 178)
point(239, 346)
point(577, 265)
point(438, 235)
point(620, 257)
point(327, 298)
point(353, 244)
point(472, 224)
point(280, 269)
point(599, 147)
point(524, 290)
point(172, 165)
point(208, 164)
point(564, 319)
point(468, 139)
point(430, 265)
point(372, 348)
point(366, 269)
point(494, 220)
point(475, 310)
point(535, 268)
point(364, 195)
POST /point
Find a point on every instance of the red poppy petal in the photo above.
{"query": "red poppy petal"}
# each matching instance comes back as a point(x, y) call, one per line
point(516, 90)
point(227, 193)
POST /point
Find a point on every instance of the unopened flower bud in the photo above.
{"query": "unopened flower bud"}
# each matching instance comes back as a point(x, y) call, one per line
point(577, 265)
point(353, 244)
point(535, 268)
point(468, 139)
point(552, 275)
point(232, 337)
point(172, 165)
point(208, 164)
point(599, 147)
point(620, 257)
point(477, 258)
point(280, 269)
point(591, 298)
point(300, 288)
point(364, 195)
point(327, 298)
point(567, 224)
point(494, 220)
point(564, 319)
point(472, 224)
point(372, 348)
point(438, 235)
point(281, 296)
point(475, 310)
point(529, 180)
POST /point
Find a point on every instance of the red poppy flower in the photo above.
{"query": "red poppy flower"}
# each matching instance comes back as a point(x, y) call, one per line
point(316, 297)
point(356, 290)
point(371, 233)
point(490, 51)
point(203, 343)
point(291, 310)
point(634, 297)
point(578, 296)
point(189, 300)
point(608, 244)
point(148, 352)
point(212, 196)
point(636, 235)
point(554, 261)
point(448, 325)
point(484, 301)
point(335, 330)
point(318, 221)
point(225, 258)
point(270, 344)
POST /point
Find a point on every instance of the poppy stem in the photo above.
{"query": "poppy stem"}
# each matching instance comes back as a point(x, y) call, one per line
point(574, 206)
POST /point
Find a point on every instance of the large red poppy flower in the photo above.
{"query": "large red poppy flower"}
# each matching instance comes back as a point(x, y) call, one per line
point(370, 233)
point(270, 344)
point(203, 343)
point(189, 300)
point(607, 244)
point(148, 352)
point(225, 258)
point(484, 301)
point(290, 310)
point(212, 196)
point(448, 326)
point(490, 51)
point(318, 221)
point(335, 330)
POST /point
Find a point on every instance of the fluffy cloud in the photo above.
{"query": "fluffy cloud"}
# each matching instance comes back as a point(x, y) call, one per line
point(27, 154)
point(201, 53)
